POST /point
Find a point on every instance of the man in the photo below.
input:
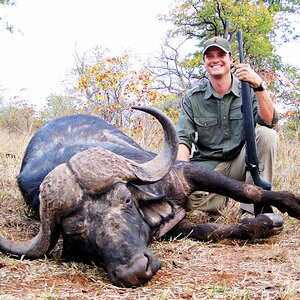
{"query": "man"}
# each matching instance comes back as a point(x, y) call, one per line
point(210, 126)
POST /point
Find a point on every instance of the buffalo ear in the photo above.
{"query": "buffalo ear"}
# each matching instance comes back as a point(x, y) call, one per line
point(156, 210)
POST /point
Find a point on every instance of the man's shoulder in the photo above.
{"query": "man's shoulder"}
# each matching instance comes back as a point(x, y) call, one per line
point(200, 87)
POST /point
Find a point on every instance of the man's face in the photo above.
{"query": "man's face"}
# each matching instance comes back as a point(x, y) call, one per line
point(217, 62)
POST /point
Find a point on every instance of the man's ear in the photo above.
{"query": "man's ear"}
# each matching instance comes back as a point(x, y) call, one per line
point(232, 61)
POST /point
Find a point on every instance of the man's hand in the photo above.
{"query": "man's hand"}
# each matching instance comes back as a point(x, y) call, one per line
point(265, 104)
point(245, 73)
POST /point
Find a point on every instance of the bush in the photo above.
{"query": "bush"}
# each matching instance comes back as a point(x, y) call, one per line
point(19, 117)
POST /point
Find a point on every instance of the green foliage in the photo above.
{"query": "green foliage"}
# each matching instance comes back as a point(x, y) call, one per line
point(58, 106)
point(264, 25)
point(258, 21)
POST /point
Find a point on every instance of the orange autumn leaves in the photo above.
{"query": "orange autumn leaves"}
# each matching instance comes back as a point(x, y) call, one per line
point(114, 87)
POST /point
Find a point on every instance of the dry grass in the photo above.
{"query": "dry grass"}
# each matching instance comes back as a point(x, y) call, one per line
point(266, 269)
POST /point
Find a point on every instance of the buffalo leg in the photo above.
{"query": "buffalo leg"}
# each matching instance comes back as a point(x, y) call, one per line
point(263, 226)
point(201, 179)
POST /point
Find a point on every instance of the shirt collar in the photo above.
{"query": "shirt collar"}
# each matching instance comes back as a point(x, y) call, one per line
point(234, 89)
point(209, 91)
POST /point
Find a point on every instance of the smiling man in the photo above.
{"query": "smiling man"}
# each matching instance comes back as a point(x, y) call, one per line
point(210, 126)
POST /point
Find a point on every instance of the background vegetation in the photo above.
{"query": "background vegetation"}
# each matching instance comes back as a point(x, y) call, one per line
point(108, 86)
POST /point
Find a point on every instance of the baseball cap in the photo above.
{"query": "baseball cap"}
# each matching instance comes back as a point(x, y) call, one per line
point(217, 42)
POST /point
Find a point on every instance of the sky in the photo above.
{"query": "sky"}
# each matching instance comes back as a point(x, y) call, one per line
point(34, 63)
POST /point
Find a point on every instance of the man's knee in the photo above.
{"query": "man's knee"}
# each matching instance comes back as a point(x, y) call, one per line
point(207, 202)
point(267, 137)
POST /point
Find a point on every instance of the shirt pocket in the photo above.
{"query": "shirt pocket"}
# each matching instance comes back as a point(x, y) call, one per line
point(236, 126)
point(236, 113)
point(207, 129)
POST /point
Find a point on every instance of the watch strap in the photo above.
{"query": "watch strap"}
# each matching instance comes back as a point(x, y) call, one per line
point(260, 88)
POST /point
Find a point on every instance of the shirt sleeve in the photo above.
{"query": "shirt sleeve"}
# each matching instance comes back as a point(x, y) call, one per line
point(257, 117)
point(186, 127)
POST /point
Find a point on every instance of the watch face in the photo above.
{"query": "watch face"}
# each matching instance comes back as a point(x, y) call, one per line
point(263, 85)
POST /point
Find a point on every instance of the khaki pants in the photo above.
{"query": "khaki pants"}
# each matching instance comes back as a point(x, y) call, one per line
point(267, 147)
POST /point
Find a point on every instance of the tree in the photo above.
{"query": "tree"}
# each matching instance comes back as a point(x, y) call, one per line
point(264, 24)
point(18, 116)
point(58, 106)
point(82, 64)
point(174, 73)
point(107, 86)
point(6, 25)
point(287, 95)
point(258, 20)
point(110, 86)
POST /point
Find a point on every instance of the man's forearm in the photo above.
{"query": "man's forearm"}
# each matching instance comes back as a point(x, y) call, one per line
point(265, 106)
point(183, 153)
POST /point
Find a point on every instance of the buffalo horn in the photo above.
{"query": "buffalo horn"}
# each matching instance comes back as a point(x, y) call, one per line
point(155, 169)
point(59, 184)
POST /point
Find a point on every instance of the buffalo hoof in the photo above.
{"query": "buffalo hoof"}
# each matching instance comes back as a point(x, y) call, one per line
point(263, 226)
point(276, 219)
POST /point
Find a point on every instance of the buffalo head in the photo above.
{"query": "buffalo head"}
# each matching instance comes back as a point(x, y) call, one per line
point(97, 202)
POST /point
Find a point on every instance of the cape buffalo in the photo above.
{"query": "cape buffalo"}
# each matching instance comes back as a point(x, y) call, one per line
point(109, 198)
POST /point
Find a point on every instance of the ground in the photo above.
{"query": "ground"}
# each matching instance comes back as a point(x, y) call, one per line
point(260, 269)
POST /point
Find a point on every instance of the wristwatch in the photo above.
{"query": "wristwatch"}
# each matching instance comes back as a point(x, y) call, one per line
point(262, 87)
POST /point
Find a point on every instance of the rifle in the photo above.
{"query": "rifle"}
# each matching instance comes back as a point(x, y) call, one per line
point(251, 158)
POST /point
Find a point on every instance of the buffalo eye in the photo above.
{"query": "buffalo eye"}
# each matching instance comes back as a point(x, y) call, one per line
point(128, 200)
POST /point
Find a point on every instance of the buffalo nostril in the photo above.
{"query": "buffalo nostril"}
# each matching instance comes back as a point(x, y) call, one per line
point(148, 262)
point(141, 270)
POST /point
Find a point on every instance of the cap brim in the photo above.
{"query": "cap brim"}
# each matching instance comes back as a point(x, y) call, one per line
point(215, 45)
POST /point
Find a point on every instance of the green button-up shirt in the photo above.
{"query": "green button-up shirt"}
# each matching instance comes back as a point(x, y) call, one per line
point(216, 122)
